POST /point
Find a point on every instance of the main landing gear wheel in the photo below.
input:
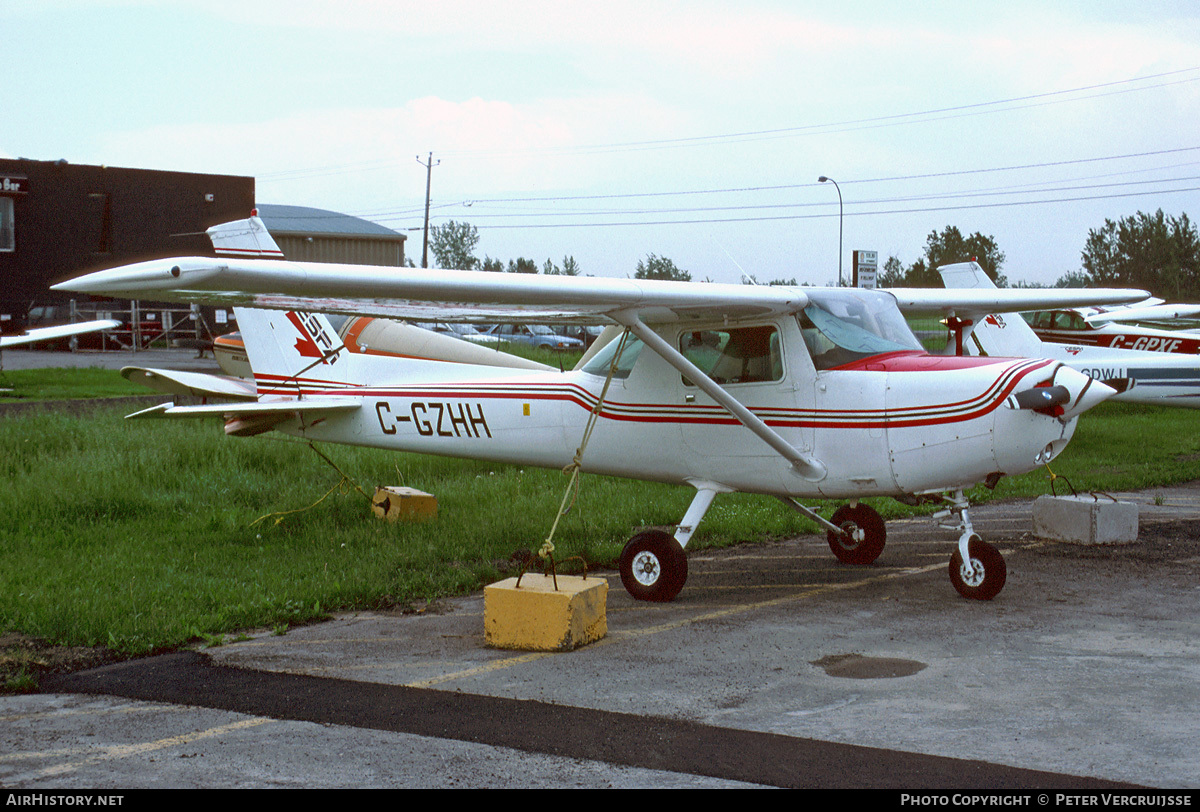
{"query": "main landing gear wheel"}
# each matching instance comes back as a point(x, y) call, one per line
point(988, 571)
point(863, 534)
point(653, 566)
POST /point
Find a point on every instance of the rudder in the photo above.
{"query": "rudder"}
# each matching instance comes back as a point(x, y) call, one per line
point(291, 351)
point(1000, 335)
point(244, 238)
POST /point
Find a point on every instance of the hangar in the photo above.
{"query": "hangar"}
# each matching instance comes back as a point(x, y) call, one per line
point(315, 235)
point(59, 219)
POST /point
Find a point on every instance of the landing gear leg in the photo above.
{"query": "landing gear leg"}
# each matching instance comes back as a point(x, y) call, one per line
point(977, 569)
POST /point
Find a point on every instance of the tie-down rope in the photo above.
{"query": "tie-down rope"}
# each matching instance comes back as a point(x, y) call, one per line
point(573, 469)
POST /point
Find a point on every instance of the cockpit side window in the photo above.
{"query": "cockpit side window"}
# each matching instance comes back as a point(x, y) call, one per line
point(737, 355)
point(1062, 320)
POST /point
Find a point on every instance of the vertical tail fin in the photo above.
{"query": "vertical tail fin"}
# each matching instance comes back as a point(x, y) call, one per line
point(244, 238)
point(292, 352)
point(1002, 335)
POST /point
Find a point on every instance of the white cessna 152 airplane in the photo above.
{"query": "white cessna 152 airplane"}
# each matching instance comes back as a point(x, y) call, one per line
point(1159, 378)
point(797, 393)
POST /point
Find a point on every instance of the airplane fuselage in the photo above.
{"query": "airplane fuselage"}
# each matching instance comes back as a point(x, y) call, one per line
point(894, 424)
point(1071, 327)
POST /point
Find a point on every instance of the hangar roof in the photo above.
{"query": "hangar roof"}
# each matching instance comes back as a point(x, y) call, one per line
point(320, 222)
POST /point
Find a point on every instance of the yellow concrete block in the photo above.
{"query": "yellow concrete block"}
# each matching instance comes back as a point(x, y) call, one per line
point(403, 504)
point(536, 617)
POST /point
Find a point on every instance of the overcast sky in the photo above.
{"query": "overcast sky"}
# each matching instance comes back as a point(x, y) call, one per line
point(610, 131)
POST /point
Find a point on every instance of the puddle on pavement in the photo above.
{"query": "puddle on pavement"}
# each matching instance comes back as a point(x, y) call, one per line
point(856, 666)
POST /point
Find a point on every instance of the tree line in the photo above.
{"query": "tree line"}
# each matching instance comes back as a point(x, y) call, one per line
point(453, 246)
point(1155, 252)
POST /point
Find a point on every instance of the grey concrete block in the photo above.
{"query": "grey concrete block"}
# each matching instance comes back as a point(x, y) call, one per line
point(1085, 519)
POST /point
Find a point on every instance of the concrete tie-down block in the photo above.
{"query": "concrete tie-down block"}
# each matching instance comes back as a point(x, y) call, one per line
point(537, 617)
point(395, 503)
point(1085, 519)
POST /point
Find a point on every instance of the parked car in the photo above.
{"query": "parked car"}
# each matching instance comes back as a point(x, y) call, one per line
point(535, 335)
point(586, 334)
point(467, 332)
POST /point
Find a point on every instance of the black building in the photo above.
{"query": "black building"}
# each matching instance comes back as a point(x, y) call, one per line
point(58, 220)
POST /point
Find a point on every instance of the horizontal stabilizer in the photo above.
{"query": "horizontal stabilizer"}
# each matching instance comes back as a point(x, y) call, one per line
point(193, 384)
point(279, 407)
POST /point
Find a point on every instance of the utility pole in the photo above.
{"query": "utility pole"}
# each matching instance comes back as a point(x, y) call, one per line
point(428, 179)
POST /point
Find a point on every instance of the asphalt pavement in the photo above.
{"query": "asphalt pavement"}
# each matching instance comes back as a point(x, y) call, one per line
point(775, 667)
point(189, 360)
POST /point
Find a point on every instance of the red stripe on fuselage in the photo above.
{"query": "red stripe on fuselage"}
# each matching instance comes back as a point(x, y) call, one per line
point(989, 399)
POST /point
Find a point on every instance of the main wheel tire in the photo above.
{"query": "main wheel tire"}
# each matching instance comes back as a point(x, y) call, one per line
point(863, 534)
point(653, 566)
point(988, 571)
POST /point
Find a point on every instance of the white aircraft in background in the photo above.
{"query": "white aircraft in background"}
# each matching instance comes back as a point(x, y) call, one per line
point(796, 393)
point(61, 331)
point(1140, 376)
point(50, 333)
point(1123, 328)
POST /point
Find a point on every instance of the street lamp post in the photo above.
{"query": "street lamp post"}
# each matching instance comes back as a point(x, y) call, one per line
point(822, 179)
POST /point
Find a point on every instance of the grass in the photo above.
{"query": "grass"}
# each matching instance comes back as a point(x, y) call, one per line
point(60, 384)
point(565, 359)
point(143, 536)
point(146, 536)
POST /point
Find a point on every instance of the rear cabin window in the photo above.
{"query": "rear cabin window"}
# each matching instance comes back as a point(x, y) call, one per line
point(739, 355)
point(602, 362)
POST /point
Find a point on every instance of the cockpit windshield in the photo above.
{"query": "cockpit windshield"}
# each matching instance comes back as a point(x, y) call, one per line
point(841, 326)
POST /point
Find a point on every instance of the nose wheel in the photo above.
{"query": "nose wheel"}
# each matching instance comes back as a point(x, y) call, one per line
point(653, 566)
point(977, 569)
point(982, 574)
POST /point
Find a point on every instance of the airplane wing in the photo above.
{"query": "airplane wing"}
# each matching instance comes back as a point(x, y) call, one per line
point(62, 331)
point(450, 295)
point(425, 294)
point(1151, 312)
point(970, 294)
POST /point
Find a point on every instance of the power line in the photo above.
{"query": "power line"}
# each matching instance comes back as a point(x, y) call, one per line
point(787, 186)
point(794, 205)
point(937, 114)
point(1059, 187)
point(718, 220)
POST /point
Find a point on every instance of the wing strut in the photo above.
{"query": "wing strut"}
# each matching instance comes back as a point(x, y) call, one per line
point(808, 467)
